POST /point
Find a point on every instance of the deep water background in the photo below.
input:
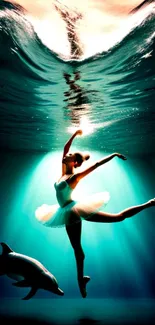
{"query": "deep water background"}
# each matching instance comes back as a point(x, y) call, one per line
point(41, 97)
point(119, 257)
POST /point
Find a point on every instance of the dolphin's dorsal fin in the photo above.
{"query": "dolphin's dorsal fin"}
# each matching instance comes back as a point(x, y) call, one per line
point(6, 249)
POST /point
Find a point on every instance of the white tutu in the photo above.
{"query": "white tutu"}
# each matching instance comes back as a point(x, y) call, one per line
point(56, 216)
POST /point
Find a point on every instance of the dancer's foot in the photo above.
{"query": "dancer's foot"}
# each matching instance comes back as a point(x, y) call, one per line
point(82, 286)
point(152, 202)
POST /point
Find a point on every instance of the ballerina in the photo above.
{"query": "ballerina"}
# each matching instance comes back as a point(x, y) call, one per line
point(69, 213)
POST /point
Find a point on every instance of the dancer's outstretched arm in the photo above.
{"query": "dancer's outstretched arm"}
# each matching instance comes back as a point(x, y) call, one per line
point(97, 164)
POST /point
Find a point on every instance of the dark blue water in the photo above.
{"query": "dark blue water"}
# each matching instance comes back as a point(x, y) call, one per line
point(74, 311)
point(42, 99)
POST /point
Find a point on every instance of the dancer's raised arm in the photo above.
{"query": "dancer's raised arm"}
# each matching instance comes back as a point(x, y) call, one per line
point(67, 147)
point(97, 164)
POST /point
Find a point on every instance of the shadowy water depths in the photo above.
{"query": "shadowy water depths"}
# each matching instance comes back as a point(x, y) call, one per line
point(78, 312)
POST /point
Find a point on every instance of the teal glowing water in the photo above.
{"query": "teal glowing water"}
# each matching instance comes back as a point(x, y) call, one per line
point(119, 257)
point(113, 94)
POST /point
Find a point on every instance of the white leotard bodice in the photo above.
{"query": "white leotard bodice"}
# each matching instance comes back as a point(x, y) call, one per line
point(63, 193)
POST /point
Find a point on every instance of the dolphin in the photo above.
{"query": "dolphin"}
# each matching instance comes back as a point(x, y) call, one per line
point(28, 272)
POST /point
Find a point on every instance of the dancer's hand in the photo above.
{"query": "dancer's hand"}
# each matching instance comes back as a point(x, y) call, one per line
point(121, 156)
point(79, 132)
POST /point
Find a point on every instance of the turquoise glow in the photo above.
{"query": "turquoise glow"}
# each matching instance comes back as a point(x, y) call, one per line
point(118, 255)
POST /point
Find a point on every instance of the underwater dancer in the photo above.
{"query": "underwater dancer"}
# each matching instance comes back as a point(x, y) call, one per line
point(69, 213)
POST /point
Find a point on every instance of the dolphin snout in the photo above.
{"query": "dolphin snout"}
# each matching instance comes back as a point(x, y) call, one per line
point(60, 292)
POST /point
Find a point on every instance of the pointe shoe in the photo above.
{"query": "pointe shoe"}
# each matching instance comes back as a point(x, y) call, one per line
point(83, 292)
point(152, 202)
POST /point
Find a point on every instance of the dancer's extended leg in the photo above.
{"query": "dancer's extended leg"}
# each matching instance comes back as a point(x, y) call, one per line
point(116, 217)
point(74, 234)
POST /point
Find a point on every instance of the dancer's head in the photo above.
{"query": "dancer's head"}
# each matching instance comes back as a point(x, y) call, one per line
point(80, 158)
point(75, 159)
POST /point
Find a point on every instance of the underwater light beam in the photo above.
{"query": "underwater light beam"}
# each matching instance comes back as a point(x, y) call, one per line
point(87, 127)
